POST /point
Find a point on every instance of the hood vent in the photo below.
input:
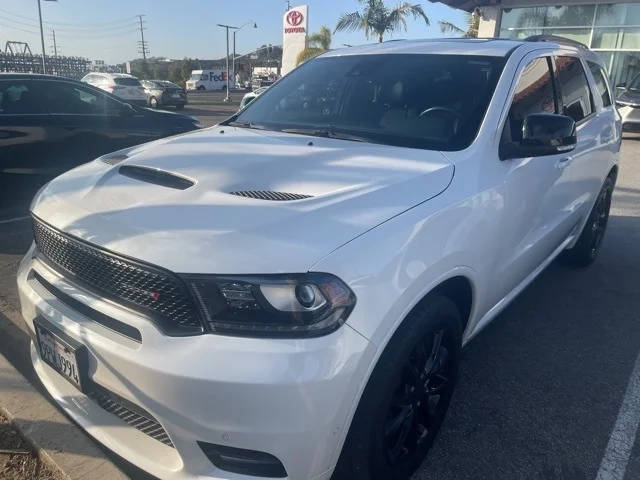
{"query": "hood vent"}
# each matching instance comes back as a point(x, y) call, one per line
point(269, 195)
point(114, 159)
point(155, 176)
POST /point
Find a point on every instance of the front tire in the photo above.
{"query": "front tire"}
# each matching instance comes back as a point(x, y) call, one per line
point(407, 396)
point(587, 247)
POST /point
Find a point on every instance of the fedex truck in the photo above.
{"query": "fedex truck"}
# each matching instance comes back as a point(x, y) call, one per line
point(207, 80)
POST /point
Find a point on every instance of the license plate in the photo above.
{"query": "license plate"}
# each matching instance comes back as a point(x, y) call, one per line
point(176, 95)
point(63, 354)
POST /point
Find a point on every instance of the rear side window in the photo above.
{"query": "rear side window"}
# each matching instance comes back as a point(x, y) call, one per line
point(67, 98)
point(127, 82)
point(534, 94)
point(576, 96)
point(20, 97)
point(601, 83)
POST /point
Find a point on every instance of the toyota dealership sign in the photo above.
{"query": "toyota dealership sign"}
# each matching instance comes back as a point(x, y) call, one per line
point(294, 31)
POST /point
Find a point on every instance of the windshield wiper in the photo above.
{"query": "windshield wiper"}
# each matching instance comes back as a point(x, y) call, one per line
point(233, 123)
point(326, 132)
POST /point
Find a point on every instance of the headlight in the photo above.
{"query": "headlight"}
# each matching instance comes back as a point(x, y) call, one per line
point(290, 306)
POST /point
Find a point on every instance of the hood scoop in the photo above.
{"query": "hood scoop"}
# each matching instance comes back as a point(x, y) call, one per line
point(156, 176)
point(270, 195)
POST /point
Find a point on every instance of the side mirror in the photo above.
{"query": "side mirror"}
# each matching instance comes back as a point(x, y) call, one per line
point(543, 134)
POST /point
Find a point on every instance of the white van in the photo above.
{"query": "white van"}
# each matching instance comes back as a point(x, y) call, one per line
point(208, 80)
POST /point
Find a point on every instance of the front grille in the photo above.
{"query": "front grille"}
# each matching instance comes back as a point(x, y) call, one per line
point(132, 415)
point(150, 290)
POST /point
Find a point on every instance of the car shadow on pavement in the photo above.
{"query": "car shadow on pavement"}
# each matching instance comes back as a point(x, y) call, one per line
point(541, 386)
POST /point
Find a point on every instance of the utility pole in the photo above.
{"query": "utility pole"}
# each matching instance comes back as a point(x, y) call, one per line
point(44, 64)
point(288, 6)
point(55, 45)
point(143, 45)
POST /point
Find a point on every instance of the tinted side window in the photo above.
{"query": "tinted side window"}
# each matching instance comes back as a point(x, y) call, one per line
point(20, 97)
point(534, 94)
point(62, 97)
point(576, 96)
point(601, 83)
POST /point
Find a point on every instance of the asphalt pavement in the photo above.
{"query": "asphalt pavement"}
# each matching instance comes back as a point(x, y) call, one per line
point(541, 388)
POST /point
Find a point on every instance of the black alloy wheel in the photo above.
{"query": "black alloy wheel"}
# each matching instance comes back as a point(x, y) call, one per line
point(407, 396)
point(420, 401)
point(588, 245)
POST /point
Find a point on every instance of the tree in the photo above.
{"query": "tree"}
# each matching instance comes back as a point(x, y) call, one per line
point(317, 43)
point(378, 19)
point(469, 31)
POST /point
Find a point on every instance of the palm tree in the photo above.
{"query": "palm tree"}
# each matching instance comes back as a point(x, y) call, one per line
point(317, 43)
point(470, 31)
point(378, 19)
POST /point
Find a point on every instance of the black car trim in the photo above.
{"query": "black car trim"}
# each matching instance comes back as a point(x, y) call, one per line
point(98, 317)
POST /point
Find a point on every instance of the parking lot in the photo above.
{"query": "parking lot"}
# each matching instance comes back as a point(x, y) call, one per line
point(541, 388)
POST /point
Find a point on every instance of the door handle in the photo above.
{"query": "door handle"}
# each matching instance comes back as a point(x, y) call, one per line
point(564, 162)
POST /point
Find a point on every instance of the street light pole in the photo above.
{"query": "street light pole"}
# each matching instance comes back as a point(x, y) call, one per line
point(44, 65)
point(233, 60)
point(227, 27)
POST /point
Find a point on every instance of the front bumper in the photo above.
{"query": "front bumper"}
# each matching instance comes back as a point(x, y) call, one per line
point(290, 398)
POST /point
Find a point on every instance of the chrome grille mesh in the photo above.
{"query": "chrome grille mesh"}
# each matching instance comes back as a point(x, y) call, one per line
point(149, 290)
point(269, 195)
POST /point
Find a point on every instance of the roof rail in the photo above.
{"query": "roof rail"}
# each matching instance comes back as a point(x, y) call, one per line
point(555, 39)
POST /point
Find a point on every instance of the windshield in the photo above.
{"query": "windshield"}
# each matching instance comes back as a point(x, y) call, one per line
point(127, 81)
point(414, 100)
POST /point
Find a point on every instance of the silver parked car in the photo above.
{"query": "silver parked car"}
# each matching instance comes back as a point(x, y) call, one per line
point(164, 93)
point(628, 103)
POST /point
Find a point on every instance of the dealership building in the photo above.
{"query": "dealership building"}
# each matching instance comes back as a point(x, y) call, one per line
point(612, 29)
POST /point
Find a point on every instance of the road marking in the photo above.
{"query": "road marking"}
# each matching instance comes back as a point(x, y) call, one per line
point(616, 456)
point(17, 219)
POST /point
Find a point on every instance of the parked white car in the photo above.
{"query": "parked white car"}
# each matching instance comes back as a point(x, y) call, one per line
point(251, 96)
point(286, 295)
point(124, 86)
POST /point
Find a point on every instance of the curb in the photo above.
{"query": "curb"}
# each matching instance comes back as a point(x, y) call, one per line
point(59, 442)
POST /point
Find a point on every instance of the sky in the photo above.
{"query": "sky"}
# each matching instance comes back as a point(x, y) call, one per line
point(108, 29)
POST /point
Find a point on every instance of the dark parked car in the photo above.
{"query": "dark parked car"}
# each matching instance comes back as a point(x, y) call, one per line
point(49, 124)
point(161, 93)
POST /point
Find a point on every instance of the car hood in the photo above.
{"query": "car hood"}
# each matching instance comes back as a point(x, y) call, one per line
point(351, 188)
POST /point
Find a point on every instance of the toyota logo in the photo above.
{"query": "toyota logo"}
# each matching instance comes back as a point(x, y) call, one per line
point(294, 18)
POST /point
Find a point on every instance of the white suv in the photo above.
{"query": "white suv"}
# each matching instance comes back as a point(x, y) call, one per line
point(124, 86)
point(286, 294)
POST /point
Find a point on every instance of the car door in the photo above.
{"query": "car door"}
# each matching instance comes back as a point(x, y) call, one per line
point(25, 128)
point(583, 169)
point(91, 123)
point(536, 220)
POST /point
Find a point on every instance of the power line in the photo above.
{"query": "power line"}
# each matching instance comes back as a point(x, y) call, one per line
point(74, 25)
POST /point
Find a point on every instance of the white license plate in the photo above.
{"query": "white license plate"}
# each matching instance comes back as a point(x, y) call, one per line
point(59, 354)
point(176, 95)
